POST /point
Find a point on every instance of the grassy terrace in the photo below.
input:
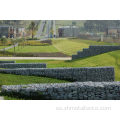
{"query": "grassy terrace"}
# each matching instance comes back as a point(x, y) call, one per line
point(106, 59)
point(32, 49)
point(69, 47)
point(8, 79)
point(64, 45)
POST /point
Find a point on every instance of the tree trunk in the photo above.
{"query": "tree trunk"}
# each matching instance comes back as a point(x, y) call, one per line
point(32, 33)
point(4, 48)
point(14, 49)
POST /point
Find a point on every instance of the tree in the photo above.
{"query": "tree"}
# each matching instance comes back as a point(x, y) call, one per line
point(33, 28)
point(4, 41)
point(14, 42)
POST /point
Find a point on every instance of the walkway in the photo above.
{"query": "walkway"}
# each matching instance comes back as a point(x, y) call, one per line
point(35, 58)
point(9, 47)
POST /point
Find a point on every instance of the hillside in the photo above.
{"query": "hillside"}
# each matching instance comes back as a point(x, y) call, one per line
point(71, 46)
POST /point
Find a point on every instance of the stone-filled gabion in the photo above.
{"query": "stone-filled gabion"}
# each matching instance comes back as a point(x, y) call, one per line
point(71, 74)
point(66, 91)
point(1, 62)
point(23, 65)
point(94, 50)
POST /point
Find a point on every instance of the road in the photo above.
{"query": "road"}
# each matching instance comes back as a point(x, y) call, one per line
point(35, 58)
point(48, 28)
point(40, 29)
point(54, 28)
point(48, 25)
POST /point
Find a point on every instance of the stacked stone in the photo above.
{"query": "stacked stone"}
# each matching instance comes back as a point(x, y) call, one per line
point(23, 65)
point(1, 62)
point(71, 74)
point(94, 50)
point(66, 91)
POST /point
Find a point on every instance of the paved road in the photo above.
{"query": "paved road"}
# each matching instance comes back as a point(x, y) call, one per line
point(40, 29)
point(54, 28)
point(9, 47)
point(35, 58)
point(48, 28)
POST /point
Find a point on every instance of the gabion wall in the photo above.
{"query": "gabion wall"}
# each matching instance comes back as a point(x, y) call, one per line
point(23, 65)
point(94, 50)
point(66, 91)
point(7, 62)
point(71, 74)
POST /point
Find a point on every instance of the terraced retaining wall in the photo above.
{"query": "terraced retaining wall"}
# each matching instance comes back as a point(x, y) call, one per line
point(94, 50)
point(70, 74)
point(1, 62)
point(23, 65)
point(66, 91)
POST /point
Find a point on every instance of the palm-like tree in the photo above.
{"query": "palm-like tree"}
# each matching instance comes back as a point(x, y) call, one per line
point(32, 27)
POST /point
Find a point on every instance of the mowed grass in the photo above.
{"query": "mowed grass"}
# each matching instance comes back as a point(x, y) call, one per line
point(106, 59)
point(1, 47)
point(71, 46)
point(64, 45)
point(67, 46)
point(9, 79)
point(35, 49)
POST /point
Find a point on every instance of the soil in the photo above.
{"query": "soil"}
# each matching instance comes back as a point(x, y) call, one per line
point(56, 54)
point(47, 41)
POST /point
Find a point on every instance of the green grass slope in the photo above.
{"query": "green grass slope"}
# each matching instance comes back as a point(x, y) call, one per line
point(106, 59)
point(9, 79)
point(36, 49)
point(71, 46)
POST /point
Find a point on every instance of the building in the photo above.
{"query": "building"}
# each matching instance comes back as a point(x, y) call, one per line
point(68, 31)
point(113, 31)
point(6, 31)
point(11, 32)
point(19, 32)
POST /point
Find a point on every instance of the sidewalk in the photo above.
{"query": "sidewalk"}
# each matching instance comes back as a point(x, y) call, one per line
point(35, 58)
point(9, 47)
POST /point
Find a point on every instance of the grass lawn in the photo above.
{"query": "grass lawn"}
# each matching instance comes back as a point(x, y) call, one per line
point(32, 49)
point(9, 79)
point(67, 46)
point(71, 46)
point(2, 47)
point(64, 45)
point(106, 59)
